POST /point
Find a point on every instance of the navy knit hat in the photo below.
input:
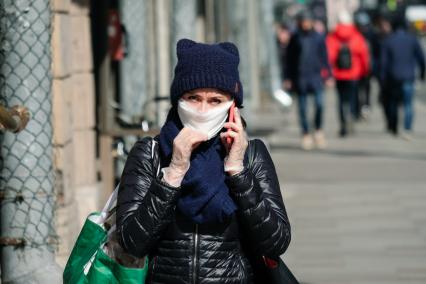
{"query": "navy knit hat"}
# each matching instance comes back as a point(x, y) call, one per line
point(206, 66)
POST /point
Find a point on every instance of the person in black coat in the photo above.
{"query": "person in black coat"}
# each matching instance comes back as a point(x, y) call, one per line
point(384, 29)
point(283, 38)
point(363, 23)
point(401, 53)
point(205, 209)
point(306, 67)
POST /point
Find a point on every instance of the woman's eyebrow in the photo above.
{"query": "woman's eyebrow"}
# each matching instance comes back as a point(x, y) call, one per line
point(193, 94)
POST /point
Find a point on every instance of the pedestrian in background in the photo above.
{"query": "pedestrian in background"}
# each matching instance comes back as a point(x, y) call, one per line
point(384, 29)
point(319, 27)
point(200, 199)
point(306, 59)
point(283, 38)
point(401, 52)
point(363, 24)
point(349, 58)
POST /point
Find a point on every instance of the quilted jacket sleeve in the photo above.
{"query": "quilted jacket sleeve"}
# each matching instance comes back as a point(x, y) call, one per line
point(145, 205)
point(261, 210)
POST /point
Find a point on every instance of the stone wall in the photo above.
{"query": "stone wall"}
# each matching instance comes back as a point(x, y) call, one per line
point(73, 120)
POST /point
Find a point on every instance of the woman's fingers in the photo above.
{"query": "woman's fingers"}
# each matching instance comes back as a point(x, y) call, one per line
point(186, 141)
point(197, 137)
point(191, 136)
point(235, 139)
point(232, 125)
point(229, 133)
point(236, 150)
point(189, 132)
point(238, 120)
point(232, 134)
point(237, 125)
point(201, 136)
point(223, 136)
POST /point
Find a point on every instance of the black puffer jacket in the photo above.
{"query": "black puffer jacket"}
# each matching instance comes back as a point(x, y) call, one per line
point(183, 252)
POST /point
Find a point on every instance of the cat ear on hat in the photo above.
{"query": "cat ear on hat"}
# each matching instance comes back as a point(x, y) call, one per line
point(184, 43)
point(230, 47)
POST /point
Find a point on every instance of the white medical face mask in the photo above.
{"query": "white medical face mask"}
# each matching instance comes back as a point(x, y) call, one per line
point(209, 122)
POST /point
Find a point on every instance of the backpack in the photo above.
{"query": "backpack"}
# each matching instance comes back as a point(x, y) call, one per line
point(344, 57)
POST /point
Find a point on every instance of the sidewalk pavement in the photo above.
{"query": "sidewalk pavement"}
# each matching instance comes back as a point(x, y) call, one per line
point(358, 208)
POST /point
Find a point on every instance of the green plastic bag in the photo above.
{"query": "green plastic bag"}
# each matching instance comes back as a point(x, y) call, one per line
point(89, 262)
point(106, 270)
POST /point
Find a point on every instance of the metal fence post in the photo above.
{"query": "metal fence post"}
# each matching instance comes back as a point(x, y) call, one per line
point(268, 49)
point(133, 67)
point(27, 180)
point(243, 31)
point(162, 13)
point(253, 37)
point(184, 24)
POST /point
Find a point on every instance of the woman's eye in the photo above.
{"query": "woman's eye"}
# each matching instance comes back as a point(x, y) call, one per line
point(193, 98)
point(215, 101)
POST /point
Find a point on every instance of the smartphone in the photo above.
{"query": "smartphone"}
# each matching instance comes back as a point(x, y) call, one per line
point(231, 118)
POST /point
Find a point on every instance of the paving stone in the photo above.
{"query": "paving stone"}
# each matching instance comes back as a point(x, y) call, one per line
point(357, 209)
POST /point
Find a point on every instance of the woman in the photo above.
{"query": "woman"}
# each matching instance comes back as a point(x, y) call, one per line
point(203, 209)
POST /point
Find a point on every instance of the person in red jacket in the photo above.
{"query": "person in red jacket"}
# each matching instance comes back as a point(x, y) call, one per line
point(349, 59)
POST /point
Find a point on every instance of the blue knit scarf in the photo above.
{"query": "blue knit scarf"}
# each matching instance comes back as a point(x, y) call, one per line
point(205, 196)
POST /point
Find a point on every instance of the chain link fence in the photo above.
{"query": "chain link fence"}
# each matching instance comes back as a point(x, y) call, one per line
point(27, 180)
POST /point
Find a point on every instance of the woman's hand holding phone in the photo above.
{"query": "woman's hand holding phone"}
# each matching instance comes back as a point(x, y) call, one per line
point(238, 143)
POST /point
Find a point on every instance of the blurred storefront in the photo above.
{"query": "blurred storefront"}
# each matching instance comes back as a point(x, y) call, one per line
point(414, 11)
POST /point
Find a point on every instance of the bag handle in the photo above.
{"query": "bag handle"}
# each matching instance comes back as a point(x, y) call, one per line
point(110, 204)
point(153, 144)
point(112, 200)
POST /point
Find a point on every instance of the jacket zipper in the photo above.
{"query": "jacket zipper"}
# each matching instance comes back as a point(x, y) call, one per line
point(195, 256)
